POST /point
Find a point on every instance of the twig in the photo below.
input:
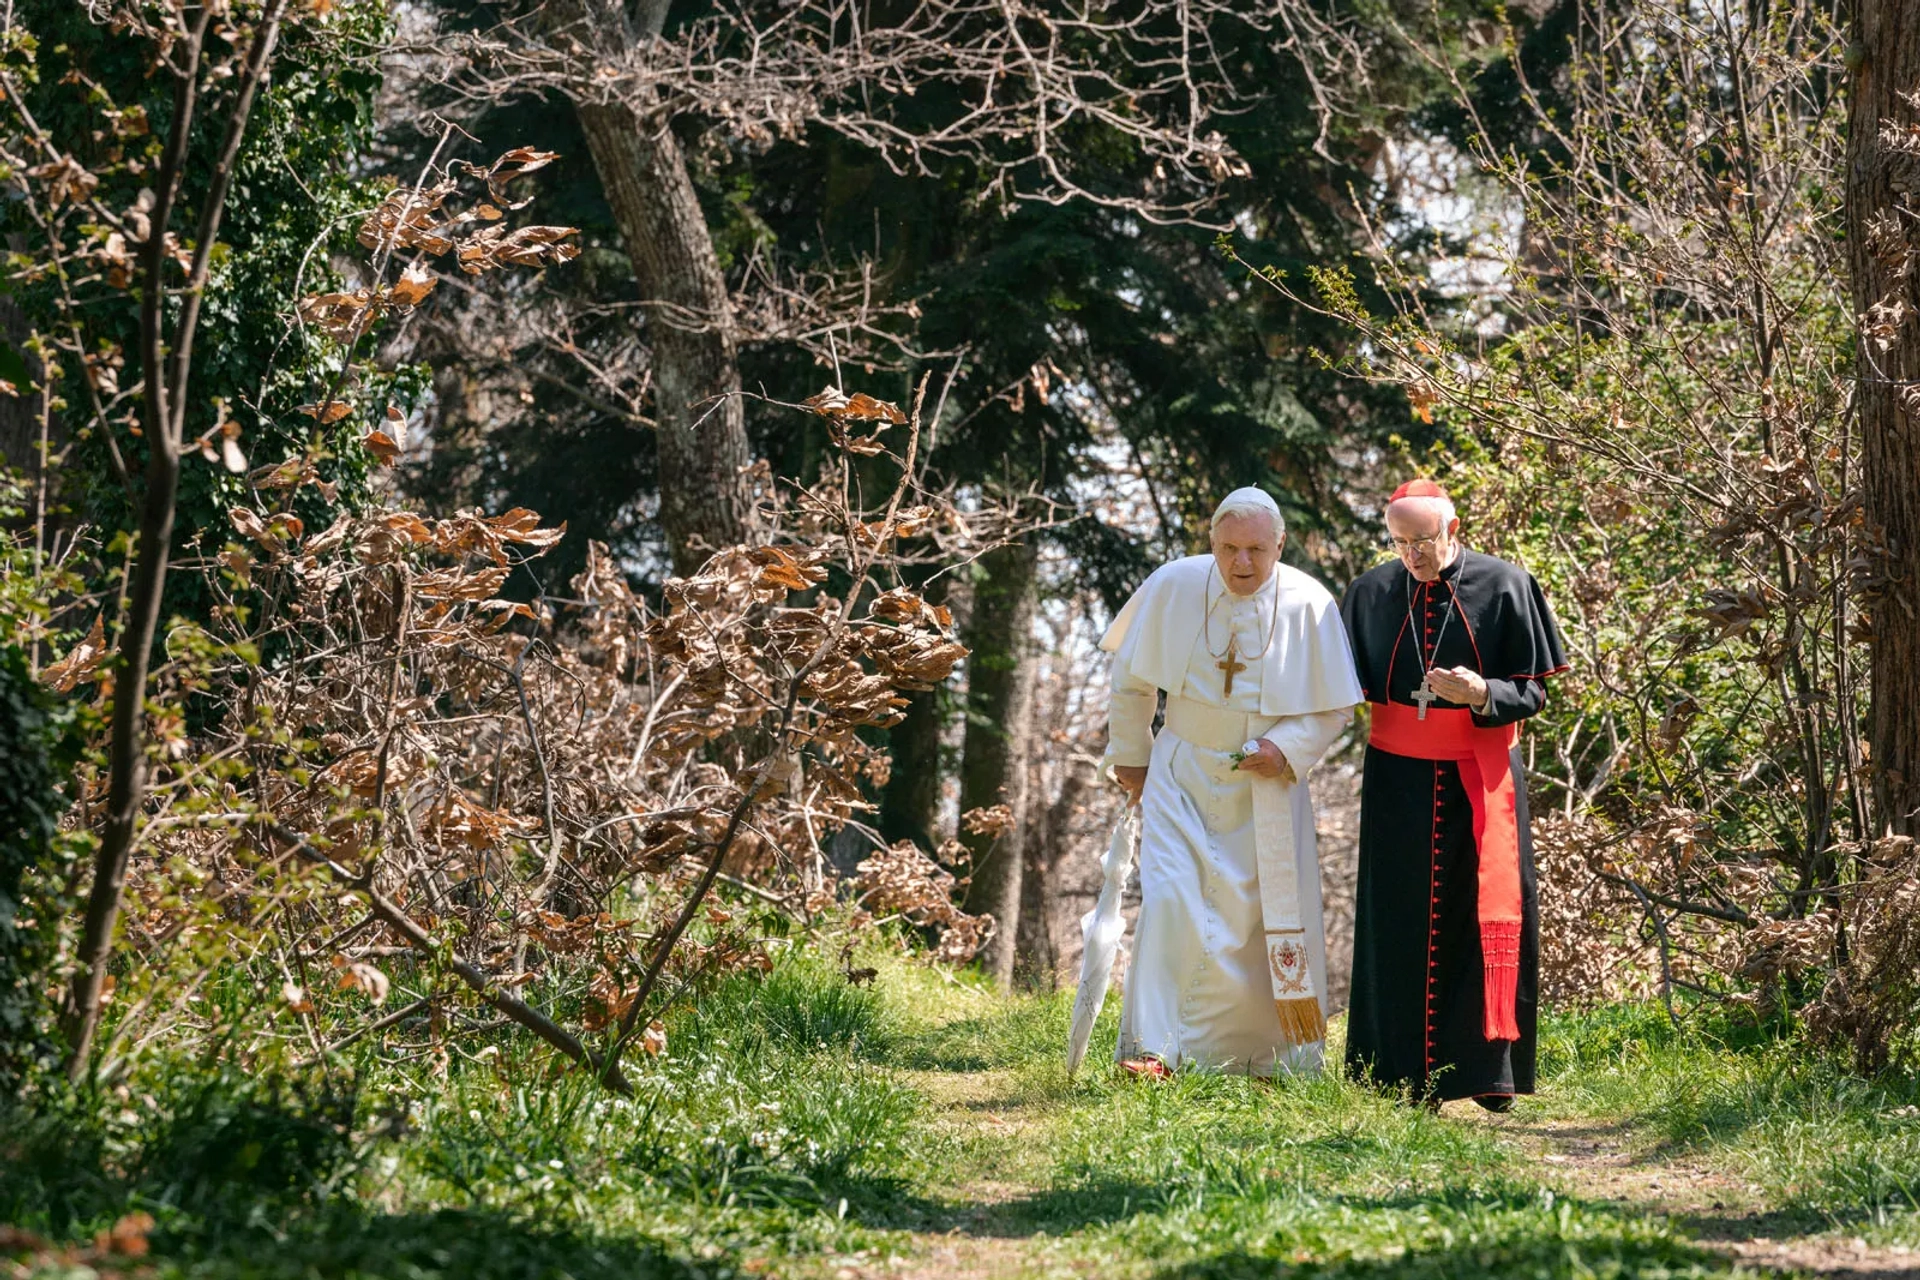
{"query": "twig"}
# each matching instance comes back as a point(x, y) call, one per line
point(374, 1027)
point(606, 1071)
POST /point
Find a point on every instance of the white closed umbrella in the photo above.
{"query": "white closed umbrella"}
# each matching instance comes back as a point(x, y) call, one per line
point(1102, 928)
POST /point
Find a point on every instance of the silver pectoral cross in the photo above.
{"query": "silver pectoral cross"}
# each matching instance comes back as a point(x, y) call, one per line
point(1425, 694)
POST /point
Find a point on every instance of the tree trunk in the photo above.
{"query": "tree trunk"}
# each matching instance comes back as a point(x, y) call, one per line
point(1883, 238)
point(999, 723)
point(20, 414)
point(910, 805)
point(165, 378)
point(702, 433)
point(1049, 826)
point(1036, 961)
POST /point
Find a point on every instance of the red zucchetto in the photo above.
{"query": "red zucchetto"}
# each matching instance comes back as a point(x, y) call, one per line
point(1421, 488)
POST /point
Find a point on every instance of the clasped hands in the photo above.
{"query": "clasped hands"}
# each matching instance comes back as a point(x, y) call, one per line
point(1268, 762)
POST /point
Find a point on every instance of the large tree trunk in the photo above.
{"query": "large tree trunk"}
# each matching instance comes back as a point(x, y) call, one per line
point(702, 434)
point(1883, 237)
point(1059, 785)
point(999, 723)
point(1036, 960)
point(910, 805)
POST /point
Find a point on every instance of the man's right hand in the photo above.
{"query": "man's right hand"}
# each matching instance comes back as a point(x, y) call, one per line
point(1132, 779)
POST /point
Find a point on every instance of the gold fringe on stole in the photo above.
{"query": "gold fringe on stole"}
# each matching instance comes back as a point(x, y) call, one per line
point(1301, 1020)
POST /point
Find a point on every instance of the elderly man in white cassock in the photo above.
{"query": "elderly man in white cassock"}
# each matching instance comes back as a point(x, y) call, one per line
point(1229, 968)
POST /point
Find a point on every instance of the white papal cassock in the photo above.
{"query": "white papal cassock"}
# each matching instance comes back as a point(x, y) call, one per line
point(1201, 989)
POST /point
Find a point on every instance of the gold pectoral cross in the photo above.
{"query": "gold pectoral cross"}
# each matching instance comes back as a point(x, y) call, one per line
point(1230, 664)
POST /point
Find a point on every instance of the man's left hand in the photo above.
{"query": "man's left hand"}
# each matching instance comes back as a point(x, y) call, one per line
point(1268, 762)
point(1460, 685)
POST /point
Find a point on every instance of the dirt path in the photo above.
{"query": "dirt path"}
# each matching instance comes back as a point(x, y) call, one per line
point(982, 1228)
point(1615, 1164)
point(999, 1133)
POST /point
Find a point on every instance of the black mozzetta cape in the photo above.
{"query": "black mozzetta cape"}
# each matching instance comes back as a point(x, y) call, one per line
point(1418, 990)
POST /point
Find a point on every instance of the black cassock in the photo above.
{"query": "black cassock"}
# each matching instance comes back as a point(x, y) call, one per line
point(1418, 991)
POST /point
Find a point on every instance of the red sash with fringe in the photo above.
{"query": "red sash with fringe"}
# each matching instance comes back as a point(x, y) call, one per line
point(1449, 733)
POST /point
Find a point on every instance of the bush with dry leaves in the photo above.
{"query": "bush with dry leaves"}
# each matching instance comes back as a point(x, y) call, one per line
point(400, 764)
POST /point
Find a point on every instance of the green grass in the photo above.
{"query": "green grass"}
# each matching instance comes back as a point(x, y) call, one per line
point(800, 1127)
point(1819, 1142)
point(1208, 1176)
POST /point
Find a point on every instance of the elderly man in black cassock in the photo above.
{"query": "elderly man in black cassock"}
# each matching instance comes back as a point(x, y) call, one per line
point(1453, 649)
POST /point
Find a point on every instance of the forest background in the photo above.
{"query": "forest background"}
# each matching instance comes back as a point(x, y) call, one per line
point(523, 513)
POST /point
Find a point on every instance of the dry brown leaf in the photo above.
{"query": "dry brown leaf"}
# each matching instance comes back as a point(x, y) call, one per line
point(988, 820)
point(607, 1002)
point(458, 818)
point(1422, 397)
point(127, 1237)
point(326, 414)
point(81, 662)
point(778, 568)
point(523, 526)
point(409, 525)
point(282, 475)
point(413, 286)
point(356, 975)
point(456, 584)
point(66, 179)
point(654, 1039)
point(342, 316)
point(858, 407)
point(513, 164)
point(332, 536)
point(382, 446)
point(410, 218)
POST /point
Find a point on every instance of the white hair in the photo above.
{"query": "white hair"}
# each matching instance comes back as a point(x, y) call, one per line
point(1250, 501)
point(1442, 507)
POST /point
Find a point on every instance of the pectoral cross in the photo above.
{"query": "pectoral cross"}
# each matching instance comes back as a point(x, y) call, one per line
point(1425, 694)
point(1231, 664)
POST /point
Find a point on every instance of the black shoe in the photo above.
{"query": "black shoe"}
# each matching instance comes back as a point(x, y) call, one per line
point(1498, 1103)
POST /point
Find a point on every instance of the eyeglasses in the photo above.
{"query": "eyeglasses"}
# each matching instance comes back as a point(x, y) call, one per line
point(1401, 546)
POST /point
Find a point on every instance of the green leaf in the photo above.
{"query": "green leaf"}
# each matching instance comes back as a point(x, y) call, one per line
point(13, 369)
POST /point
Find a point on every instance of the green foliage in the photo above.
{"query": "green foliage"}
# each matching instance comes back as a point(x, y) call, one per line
point(202, 1150)
point(803, 1005)
point(758, 1128)
point(293, 205)
point(40, 741)
point(37, 746)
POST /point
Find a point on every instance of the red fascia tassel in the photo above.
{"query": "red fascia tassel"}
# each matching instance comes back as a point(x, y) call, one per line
point(1500, 949)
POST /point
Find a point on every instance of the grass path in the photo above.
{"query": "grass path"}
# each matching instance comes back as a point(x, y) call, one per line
point(1649, 1153)
point(1616, 1163)
point(1612, 1163)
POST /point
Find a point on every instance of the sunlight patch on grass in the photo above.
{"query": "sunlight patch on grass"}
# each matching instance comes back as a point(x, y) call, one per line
point(1767, 1108)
